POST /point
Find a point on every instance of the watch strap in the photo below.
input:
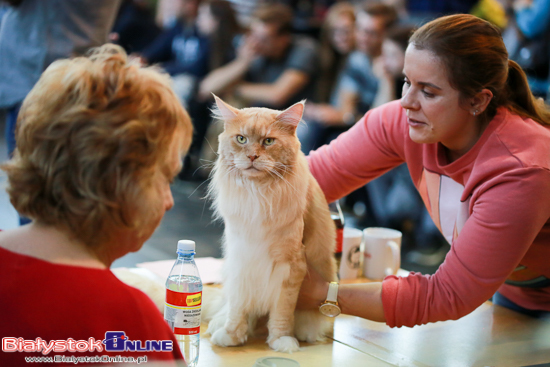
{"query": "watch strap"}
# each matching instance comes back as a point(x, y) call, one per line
point(332, 295)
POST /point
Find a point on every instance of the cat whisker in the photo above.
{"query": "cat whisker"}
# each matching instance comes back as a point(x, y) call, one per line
point(285, 180)
point(285, 169)
point(208, 162)
point(202, 183)
point(210, 145)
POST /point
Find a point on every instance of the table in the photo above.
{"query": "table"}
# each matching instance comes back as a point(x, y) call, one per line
point(489, 336)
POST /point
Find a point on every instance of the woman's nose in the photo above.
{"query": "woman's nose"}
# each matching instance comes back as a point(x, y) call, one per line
point(407, 99)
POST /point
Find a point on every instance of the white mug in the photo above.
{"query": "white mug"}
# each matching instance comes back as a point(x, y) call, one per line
point(351, 253)
point(382, 252)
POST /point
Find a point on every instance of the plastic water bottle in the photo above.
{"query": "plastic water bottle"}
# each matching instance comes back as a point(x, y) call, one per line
point(182, 309)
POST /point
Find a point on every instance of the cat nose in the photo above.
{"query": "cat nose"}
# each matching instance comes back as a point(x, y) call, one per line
point(252, 157)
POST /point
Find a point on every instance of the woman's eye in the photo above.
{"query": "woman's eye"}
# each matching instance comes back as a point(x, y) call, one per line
point(241, 139)
point(428, 94)
point(269, 141)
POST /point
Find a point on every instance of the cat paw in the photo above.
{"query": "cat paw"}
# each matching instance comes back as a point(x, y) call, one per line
point(284, 344)
point(215, 324)
point(310, 335)
point(310, 327)
point(307, 336)
point(223, 339)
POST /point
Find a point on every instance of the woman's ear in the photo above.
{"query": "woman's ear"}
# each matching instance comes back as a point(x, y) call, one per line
point(480, 102)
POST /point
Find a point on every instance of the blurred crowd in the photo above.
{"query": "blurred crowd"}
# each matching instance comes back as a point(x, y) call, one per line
point(343, 57)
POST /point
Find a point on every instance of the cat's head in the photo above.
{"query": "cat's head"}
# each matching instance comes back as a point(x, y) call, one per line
point(258, 142)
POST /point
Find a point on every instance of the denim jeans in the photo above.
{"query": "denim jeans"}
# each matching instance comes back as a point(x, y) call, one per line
point(11, 122)
point(499, 299)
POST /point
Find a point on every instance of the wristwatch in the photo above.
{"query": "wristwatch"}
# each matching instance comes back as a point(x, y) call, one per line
point(330, 307)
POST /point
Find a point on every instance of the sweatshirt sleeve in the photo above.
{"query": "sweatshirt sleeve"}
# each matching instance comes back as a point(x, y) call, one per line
point(373, 146)
point(507, 214)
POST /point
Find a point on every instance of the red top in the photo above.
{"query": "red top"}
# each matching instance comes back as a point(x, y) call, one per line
point(492, 204)
point(57, 302)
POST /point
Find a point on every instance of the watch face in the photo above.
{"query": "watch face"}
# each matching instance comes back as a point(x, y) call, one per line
point(330, 310)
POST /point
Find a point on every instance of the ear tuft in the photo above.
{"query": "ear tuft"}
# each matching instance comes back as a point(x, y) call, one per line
point(223, 111)
point(292, 115)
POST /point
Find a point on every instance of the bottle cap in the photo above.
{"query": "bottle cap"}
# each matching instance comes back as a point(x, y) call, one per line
point(186, 245)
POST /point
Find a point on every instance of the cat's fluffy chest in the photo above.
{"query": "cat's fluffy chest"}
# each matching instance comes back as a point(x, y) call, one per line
point(254, 275)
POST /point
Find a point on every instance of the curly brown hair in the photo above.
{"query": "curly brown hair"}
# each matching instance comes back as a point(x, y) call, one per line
point(89, 136)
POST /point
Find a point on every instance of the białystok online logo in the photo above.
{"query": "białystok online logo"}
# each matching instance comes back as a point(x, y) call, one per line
point(115, 341)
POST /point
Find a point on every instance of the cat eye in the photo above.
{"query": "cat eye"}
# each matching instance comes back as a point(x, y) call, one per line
point(269, 141)
point(241, 139)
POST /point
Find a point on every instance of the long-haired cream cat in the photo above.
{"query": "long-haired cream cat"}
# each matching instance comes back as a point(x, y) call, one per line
point(276, 217)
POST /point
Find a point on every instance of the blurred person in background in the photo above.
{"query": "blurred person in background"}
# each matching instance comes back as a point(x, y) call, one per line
point(527, 38)
point(135, 26)
point(34, 33)
point(99, 141)
point(273, 68)
point(337, 41)
point(217, 22)
point(357, 84)
point(182, 51)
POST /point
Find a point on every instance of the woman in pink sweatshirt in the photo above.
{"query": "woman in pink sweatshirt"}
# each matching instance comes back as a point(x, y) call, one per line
point(477, 144)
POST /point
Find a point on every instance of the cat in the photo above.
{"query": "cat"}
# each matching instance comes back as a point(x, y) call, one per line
point(276, 217)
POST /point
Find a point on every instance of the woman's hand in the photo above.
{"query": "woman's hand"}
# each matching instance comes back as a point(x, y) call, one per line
point(248, 49)
point(313, 292)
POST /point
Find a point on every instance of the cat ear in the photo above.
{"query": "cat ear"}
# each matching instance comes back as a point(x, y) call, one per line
point(292, 115)
point(223, 110)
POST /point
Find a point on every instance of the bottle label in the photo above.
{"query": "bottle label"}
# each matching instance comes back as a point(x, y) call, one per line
point(182, 311)
point(339, 240)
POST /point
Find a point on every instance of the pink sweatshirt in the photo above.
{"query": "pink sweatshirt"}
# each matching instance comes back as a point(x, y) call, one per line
point(492, 204)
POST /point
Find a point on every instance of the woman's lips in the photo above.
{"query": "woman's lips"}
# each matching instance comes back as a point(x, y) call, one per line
point(415, 123)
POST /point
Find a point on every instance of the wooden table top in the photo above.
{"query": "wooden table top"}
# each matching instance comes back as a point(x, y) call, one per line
point(489, 336)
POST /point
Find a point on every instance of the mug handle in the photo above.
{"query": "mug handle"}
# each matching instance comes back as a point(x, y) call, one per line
point(396, 258)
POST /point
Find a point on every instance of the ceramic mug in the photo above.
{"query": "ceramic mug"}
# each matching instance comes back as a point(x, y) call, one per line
point(382, 252)
point(350, 263)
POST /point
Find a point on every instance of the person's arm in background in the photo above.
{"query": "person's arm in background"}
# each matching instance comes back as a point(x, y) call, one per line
point(276, 94)
point(326, 114)
point(532, 17)
point(386, 83)
point(301, 65)
point(160, 49)
point(224, 78)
